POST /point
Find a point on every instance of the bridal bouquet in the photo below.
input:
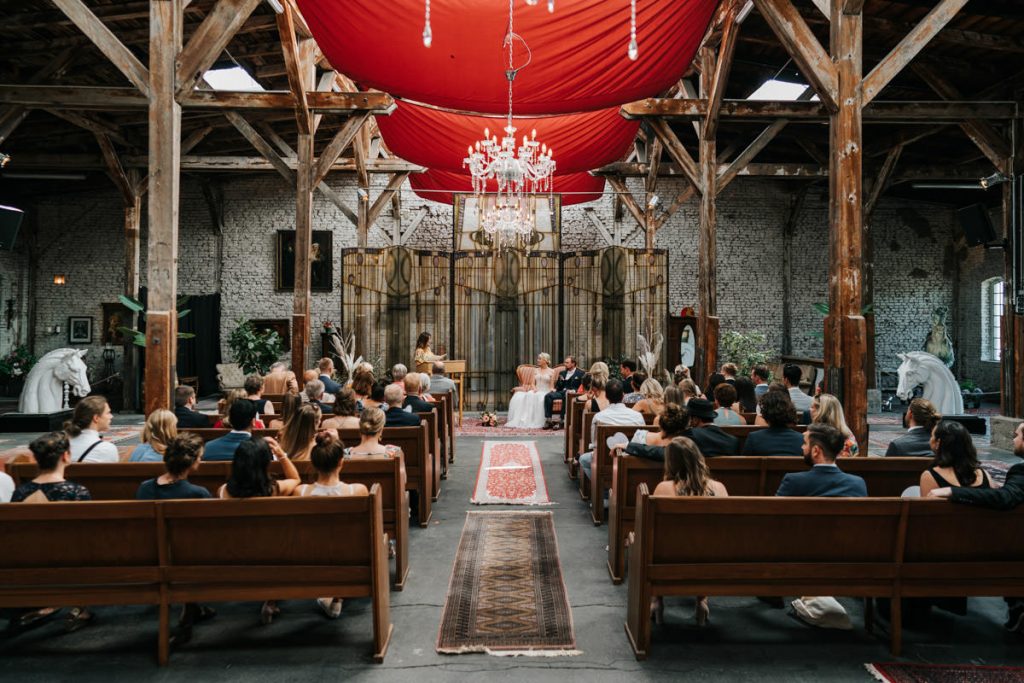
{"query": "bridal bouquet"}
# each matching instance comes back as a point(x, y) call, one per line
point(489, 419)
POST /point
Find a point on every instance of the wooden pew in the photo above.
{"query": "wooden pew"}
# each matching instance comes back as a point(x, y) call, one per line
point(601, 466)
point(109, 482)
point(163, 552)
point(570, 400)
point(573, 430)
point(413, 441)
point(447, 412)
point(891, 548)
point(430, 419)
point(742, 476)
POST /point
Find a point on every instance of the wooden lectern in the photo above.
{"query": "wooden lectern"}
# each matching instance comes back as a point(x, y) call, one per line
point(456, 370)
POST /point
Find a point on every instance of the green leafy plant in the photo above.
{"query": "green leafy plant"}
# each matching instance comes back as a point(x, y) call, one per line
point(254, 351)
point(17, 363)
point(744, 349)
point(968, 385)
point(139, 338)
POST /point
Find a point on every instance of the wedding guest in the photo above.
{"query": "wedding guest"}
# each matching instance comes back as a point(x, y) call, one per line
point(184, 408)
point(673, 421)
point(652, 397)
point(686, 474)
point(690, 390)
point(254, 392)
point(398, 373)
point(345, 414)
point(6, 487)
point(826, 409)
point(777, 438)
point(632, 387)
point(280, 380)
point(224, 408)
point(89, 420)
point(746, 395)
point(616, 413)
point(921, 418)
point(314, 391)
point(362, 385)
point(376, 397)
point(371, 426)
point(181, 458)
point(708, 436)
point(241, 416)
point(956, 460)
point(326, 367)
point(289, 406)
point(250, 478)
point(299, 433)
point(729, 372)
point(791, 376)
point(413, 394)
point(626, 369)
point(725, 406)
point(161, 426)
point(395, 416)
point(760, 375)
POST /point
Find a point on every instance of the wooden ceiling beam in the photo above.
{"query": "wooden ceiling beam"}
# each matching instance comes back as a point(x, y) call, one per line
point(908, 48)
point(386, 195)
point(677, 151)
point(803, 46)
point(723, 66)
point(115, 170)
point(882, 181)
point(341, 140)
point(623, 193)
point(293, 67)
point(91, 124)
point(11, 117)
point(889, 111)
point(743, 160)
point(107, 43)
point(209, 41)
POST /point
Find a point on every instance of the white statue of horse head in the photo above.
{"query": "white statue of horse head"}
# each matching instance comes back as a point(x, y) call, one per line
point(940, 387)
point(44, 386)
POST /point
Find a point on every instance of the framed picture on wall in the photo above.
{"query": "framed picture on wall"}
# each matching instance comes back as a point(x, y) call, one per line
point(321, 266)
point(80, 330)
point(115, 316)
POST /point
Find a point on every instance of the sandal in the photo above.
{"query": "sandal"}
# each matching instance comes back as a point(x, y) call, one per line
point(79, 617)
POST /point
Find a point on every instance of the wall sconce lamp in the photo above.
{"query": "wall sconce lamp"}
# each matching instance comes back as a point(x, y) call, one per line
point(60, 280)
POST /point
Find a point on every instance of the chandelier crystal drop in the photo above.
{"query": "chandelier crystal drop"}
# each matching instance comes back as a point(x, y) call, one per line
point(518, 169)
point(634, 48)
point(428, 35)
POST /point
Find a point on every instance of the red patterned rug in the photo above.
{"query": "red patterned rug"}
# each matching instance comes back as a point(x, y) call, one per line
point(900, 672)
point(472, 426)
point(506, 595)
point(510, 474)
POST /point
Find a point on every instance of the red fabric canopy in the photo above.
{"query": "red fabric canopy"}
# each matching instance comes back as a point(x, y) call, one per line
point(580, 60)
point(438, 139)
point(438, 186)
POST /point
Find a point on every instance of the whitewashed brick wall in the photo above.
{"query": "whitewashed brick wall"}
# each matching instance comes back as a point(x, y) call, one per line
point(84, 237)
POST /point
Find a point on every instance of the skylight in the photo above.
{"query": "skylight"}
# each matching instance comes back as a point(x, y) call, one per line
point(235, 78)
point(780, 91)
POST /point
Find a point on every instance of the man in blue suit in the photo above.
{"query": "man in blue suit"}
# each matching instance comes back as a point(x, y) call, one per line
point(326, 366)
point(822, 443)
point(241, 415)
point(395, 415)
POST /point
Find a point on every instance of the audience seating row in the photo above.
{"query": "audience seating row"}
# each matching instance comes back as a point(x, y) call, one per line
point(164, 552)
point(110, 482)
point(742, 476)
point(856, 547)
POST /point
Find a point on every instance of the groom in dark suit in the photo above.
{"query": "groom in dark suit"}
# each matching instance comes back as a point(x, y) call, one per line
point(568, 380)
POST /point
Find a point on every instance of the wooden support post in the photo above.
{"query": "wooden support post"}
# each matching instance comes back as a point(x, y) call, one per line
point(707, 237)
point(1012, 390)
point(132, 252)
point(845, 335)
point(303, 245)
point(165, 20)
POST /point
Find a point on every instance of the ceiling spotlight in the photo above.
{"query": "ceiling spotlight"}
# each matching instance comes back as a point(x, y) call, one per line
point(653, 202)
point(4, 159)
point(996, 178)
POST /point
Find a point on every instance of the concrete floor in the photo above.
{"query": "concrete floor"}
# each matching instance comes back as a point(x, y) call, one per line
point(744, 639)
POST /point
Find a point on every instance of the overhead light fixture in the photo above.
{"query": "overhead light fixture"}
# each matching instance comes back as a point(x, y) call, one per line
point(985, 183)
point(4, 159)
point(996, 178)
point(60, 280)
point(653, 201)
point(276, 5)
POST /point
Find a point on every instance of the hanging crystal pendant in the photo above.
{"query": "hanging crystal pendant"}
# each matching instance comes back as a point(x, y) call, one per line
point(634, 49)
point(551, 5)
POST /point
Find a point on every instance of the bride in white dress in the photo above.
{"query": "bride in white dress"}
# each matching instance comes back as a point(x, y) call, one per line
point(526, 409)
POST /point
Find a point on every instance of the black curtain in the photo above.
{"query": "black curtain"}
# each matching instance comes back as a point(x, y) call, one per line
point(197, 357)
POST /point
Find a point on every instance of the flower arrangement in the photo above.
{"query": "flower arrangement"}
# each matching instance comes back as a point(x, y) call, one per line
point(489, 419)
point(17, 363)
point(328, 326)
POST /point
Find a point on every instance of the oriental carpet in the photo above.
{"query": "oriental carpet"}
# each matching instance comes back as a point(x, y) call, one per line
point(510, 474)
point(910, 672)
point(506, 595)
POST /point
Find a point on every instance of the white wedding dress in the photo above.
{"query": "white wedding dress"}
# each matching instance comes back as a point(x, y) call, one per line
point(526, 409)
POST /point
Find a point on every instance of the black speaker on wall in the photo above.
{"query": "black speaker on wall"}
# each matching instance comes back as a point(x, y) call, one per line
point(977, 225)
point(10, 220)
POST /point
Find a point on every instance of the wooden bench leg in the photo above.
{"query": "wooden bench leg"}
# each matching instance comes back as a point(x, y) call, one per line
point(896, 626)
point(164, 634)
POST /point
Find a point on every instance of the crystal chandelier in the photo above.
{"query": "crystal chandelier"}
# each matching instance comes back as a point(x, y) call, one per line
point(518, 169)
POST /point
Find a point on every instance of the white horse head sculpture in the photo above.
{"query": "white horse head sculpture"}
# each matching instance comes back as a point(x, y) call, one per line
point(44, 386)
point(940, 387)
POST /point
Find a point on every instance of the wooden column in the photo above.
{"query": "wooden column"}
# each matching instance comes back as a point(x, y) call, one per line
point(1012, 390)
point(707, 291)
point(165, 19)
point(132, 248)
point(845, 331)
point(303, 244)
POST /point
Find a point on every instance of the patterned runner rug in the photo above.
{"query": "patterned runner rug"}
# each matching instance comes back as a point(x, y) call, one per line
point(510, 474)
point(905, 672)
point(506, 595)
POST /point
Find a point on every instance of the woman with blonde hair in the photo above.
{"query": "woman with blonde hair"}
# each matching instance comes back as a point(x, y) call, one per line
point(289, 406)
point(371, 426)
point(689, 389)
point(600, 369)
point(686, 474)
point(653, 400)
point(299, 433)
point(161, 427)
point(826, 409)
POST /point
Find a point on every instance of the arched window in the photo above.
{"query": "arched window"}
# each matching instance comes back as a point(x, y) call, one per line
point(991, 319)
